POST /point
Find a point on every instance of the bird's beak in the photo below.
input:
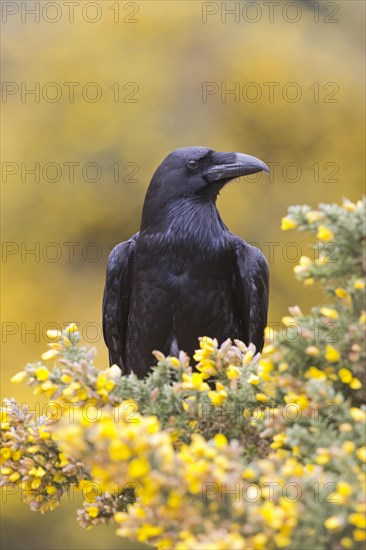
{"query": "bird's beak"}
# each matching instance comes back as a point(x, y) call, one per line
point(233, 166)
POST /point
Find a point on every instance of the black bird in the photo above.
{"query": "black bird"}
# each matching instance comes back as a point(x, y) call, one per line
point(184, 275)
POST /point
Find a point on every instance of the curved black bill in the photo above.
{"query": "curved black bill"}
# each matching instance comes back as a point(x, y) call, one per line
point(243, 165)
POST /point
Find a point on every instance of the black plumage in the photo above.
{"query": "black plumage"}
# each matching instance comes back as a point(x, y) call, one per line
point(184, 275)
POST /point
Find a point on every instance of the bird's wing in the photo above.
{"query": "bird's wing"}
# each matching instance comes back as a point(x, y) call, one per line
point(116, 300)
point(253, 281)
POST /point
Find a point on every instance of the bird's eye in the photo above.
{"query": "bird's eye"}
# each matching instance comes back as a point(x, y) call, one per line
point(192, 164)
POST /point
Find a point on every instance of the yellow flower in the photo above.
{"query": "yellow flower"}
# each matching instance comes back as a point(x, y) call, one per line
point(49, 354)
point(92, 511)
point(348, 205)
point(332, 355)
point(56, 345)
point(288, 223)
point(362, 318)
point(44, 433)
point(348, 446)
point(358, 415)
point(66, 341)
point(359, 535)
point(59, 478)
point(359, 520)
point(324, 234)
point(220, 441)
point(265, 365)
point(269, 334)
point(35, 484)
point(314, 216)
point(304, 263)
point(72, 327)
point(248, 357)
point(120, 517)
point(361, 453)
point(138, 467)
point(313, 372)
point(37, 472)
point(333, 523)
point(18, 377)
point(4, 421)
point(232, 372)
point(355, 384)
point(63, 460)
point(301, 400)
point(14, 477)
point(5, 453)
point(259, 541)
point(343, 294)
point(261, 397)
point(344, 491)
point(17, 455)
point(48, 387)
point(323, 457)
point(329, 312)
point(278, 440)
point(345, 375)
point(207, 367)
point(345, 427)
point(54, 334)
point(346, 542)
point(101, 380)
point(194, 382)
point(344, 488)
point(309, 281)
point(254, 379)
point(272, 515)
point(33, 449)
point(218, 397)
point(208, 347)
point(148, 531)
point(269, 349)
point(313, 351)
point(174, 500)
point(174, 361)
point(68, 391)
point(110, 385)
point(359, 284)
point(42, 373)
point(249, 473)
point(360, 507)
point(287, 320)
point(188, 402)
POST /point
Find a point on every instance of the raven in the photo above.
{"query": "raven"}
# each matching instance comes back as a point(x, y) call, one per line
point(184, 274)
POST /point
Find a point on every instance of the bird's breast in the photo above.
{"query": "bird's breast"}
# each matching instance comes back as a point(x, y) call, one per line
point(183, 292)
point(184, 278)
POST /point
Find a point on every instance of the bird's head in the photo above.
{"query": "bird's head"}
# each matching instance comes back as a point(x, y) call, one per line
point(196, 174)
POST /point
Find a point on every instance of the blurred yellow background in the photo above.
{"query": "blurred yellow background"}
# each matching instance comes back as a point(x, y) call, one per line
point(116, 87)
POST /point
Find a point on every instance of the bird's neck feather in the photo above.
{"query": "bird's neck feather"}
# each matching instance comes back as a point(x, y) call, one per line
point(189, 221)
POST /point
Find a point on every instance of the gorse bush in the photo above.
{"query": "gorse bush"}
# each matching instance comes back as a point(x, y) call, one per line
point(243, 450)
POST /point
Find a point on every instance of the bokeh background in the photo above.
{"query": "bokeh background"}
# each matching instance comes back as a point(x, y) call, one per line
point(150, 62)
